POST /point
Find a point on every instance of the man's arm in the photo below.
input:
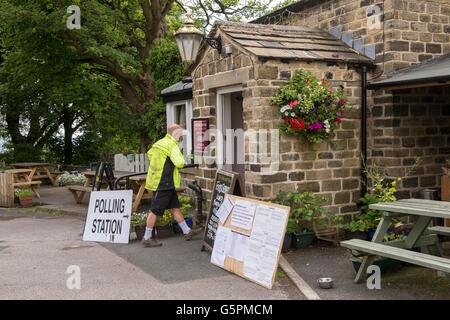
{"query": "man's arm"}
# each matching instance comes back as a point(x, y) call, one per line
point(177, 157)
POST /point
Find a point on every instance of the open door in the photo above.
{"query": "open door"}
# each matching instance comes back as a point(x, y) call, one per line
point(230, 123)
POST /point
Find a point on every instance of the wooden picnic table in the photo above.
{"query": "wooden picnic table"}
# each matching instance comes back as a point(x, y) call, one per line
point(39, 170)
point(22, 178)
point(137, 184)
point(422, 235)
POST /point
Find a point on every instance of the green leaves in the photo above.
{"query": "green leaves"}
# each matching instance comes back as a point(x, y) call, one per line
point(306, 208)
point(309, 107)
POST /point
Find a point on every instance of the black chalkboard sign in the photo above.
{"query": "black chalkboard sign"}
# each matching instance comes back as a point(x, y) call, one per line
point(225, 183)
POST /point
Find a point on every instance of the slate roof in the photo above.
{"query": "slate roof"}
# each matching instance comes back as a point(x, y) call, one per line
point(431, 71)
point(288, 42)
point(184, 86)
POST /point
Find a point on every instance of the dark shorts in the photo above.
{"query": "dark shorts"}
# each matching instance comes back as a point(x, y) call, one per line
point(163, 200)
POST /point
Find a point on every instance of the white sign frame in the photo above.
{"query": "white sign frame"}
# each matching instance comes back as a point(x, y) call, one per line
point(109, 212)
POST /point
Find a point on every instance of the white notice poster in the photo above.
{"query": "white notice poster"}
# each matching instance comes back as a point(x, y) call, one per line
point(225, 209)
point(243, 214)
point(237, 246)
point(262, 250)
point(223, 235)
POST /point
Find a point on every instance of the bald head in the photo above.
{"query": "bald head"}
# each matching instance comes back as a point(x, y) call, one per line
point(175, 130)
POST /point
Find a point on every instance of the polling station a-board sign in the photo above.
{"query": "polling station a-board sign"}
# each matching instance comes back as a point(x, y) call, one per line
point(226, 182)
point(109, 216)
point(249, 238)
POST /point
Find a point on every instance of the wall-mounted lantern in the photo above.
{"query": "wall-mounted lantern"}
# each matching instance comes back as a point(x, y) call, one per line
point(189, 39)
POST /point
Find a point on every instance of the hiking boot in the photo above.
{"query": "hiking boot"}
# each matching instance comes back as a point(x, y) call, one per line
point(151, 243)
point(192, 233)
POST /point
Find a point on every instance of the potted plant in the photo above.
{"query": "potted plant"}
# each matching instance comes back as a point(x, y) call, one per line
point(305, 210)
point(138, 223)
point(164, 225)
point(25, 196)
point(290, 231)
point(185, 205)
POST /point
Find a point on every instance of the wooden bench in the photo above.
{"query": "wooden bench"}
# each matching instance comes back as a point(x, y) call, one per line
point(384, 250)
point(31, 184)
point(443, 231)
point(78, 192)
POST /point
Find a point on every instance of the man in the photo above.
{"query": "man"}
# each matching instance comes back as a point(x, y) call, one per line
point(163, 178)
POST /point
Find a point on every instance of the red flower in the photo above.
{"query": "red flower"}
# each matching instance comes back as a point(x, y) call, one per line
point(338, 120)
point(302, 124)
point(286, 120)
point(341, 111)
point(297, 124)
point(342, 101)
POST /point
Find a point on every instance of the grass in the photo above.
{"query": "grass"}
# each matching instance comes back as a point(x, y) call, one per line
point(280, 274)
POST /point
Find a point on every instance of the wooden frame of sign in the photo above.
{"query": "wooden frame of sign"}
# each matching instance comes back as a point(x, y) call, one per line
point(236, 266)
point(236, 188)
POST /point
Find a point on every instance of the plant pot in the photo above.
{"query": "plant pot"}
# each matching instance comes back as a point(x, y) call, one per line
point(304, 240)
point(164, 231)
point(177, 229)
point(26, 201)
point(287, 242)
point(140, 231)
point(357, 235)
point(385, 264)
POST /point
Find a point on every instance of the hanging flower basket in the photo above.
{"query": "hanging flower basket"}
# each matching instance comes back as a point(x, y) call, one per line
point(310, 107)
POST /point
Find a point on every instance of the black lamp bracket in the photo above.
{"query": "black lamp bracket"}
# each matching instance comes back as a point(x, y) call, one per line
point(215, 43)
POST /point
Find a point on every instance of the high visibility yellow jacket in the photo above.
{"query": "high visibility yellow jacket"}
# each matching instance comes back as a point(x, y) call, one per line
point(165, 159)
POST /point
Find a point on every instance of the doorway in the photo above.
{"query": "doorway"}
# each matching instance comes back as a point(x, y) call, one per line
point(230, 125)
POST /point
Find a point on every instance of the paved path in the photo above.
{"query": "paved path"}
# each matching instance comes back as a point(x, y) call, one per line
point(36, 251)
point(407, 282)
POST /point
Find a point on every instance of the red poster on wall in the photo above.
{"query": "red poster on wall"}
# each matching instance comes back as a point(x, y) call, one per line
point(200, 139)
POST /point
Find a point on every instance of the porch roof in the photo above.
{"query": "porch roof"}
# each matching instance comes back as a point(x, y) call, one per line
point(284, 42)
point(434, 72)
point(290, 42)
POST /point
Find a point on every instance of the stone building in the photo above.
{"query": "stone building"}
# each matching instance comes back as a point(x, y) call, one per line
point(407, 109)
point(408, 121)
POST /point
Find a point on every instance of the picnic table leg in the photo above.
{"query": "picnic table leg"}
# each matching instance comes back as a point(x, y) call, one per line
point(382, 228)
point(36, 192)
point(30, 176)
point(420, 225)
point(137, 199)
point(78, 196)
point(50, 176)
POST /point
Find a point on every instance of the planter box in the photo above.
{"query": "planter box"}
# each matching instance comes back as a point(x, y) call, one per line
point(303, 240)
point(164, 231)
point(26, 202)
point(140, 231)
point(287, 242)
point(177, 229)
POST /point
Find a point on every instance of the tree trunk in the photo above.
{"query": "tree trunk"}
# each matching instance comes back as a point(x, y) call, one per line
point(68, 135)
point(145, 143)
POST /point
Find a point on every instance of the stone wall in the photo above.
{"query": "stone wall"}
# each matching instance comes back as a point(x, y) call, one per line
point(402, 32)
point(411, 136)
point(409, 32)
point(331, 170)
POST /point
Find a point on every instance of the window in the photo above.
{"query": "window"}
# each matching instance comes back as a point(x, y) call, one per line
point(181, 112)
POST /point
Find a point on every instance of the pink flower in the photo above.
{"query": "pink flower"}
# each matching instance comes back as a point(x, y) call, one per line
point(330, 89)
point(295, 102)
